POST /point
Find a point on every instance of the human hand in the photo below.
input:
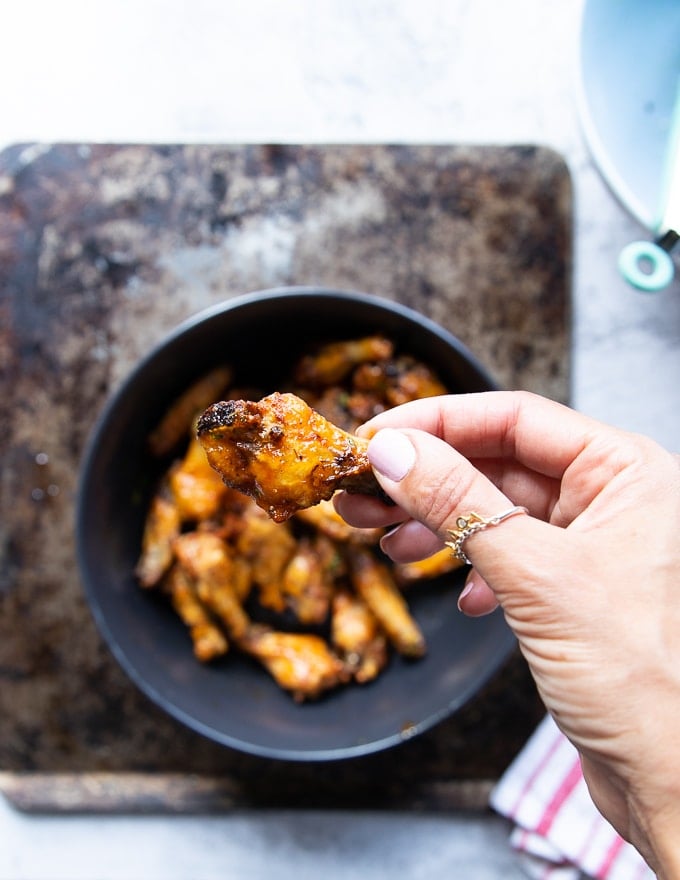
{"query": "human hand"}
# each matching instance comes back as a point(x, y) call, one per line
point(589, 582)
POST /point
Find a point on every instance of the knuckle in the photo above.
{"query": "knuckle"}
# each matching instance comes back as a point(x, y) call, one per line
point(440, 501)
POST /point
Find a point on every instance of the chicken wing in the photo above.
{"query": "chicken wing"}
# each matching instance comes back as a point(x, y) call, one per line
point(307, 583)
point(324, 518)
point(197, 489)
point(208, 640)
point(373, 581)
point(161, 527)
point(176, 422)
point(397, 381)
point(282, 453)
point(207, 560)
point(267, 547)
point(441, 562)
point(299, 662)
point(357, 637)
point(333, 361)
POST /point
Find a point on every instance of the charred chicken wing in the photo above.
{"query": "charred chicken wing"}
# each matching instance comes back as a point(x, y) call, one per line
point(282, 453)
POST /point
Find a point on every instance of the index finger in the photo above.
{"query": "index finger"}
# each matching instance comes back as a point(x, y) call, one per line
point(540, 434)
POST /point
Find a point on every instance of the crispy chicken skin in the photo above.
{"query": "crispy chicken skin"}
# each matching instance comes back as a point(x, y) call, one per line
point(283, 453)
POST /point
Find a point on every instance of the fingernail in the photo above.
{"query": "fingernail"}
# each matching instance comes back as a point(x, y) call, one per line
point(392, 454)
point(467, 589)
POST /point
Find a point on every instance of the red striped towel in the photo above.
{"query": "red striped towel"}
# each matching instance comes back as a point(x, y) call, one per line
point(558, 831)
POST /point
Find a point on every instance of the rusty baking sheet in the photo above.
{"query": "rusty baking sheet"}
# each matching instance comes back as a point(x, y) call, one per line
point(103, 249)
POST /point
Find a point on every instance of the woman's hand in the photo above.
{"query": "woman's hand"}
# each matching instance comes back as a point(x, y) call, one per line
point(589, 581)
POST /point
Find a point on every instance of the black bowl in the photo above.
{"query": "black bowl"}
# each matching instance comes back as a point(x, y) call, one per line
point(234, 702)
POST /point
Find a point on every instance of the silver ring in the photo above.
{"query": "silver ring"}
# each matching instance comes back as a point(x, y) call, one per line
point(472, 522)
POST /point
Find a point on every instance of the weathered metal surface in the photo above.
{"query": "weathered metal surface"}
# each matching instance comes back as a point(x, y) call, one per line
point(188, 793)
point(105, 248)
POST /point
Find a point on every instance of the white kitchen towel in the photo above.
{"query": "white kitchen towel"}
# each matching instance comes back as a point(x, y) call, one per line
point(558, 831)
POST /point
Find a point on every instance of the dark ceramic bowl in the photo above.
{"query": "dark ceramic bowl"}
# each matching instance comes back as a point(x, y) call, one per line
point(234, 701)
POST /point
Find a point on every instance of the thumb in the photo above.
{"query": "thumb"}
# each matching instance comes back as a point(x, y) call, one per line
point(438, 487)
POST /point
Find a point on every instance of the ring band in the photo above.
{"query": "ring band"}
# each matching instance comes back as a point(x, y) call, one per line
point(472, 522)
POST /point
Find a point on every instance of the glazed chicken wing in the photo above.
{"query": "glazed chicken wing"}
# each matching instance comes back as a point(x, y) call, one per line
point(333, 361)
point(282, 453)
point(357, 637)
point(440, 563)
point(267, 548)
point(299, 662)
point(324, 518)
point(206, 559)
point(398, 380)
point(176, 422)
point(161, 527)
point(307, 584)
point(373, 581)
point(197, 490)
point(208, 640)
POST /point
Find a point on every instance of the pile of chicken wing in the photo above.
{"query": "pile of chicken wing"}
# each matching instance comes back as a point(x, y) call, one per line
point(242, 536)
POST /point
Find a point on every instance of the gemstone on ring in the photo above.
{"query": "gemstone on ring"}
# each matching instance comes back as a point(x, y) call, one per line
point(473, 522)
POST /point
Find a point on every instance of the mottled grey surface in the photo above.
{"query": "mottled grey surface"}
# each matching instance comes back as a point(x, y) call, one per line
point(103, 249)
